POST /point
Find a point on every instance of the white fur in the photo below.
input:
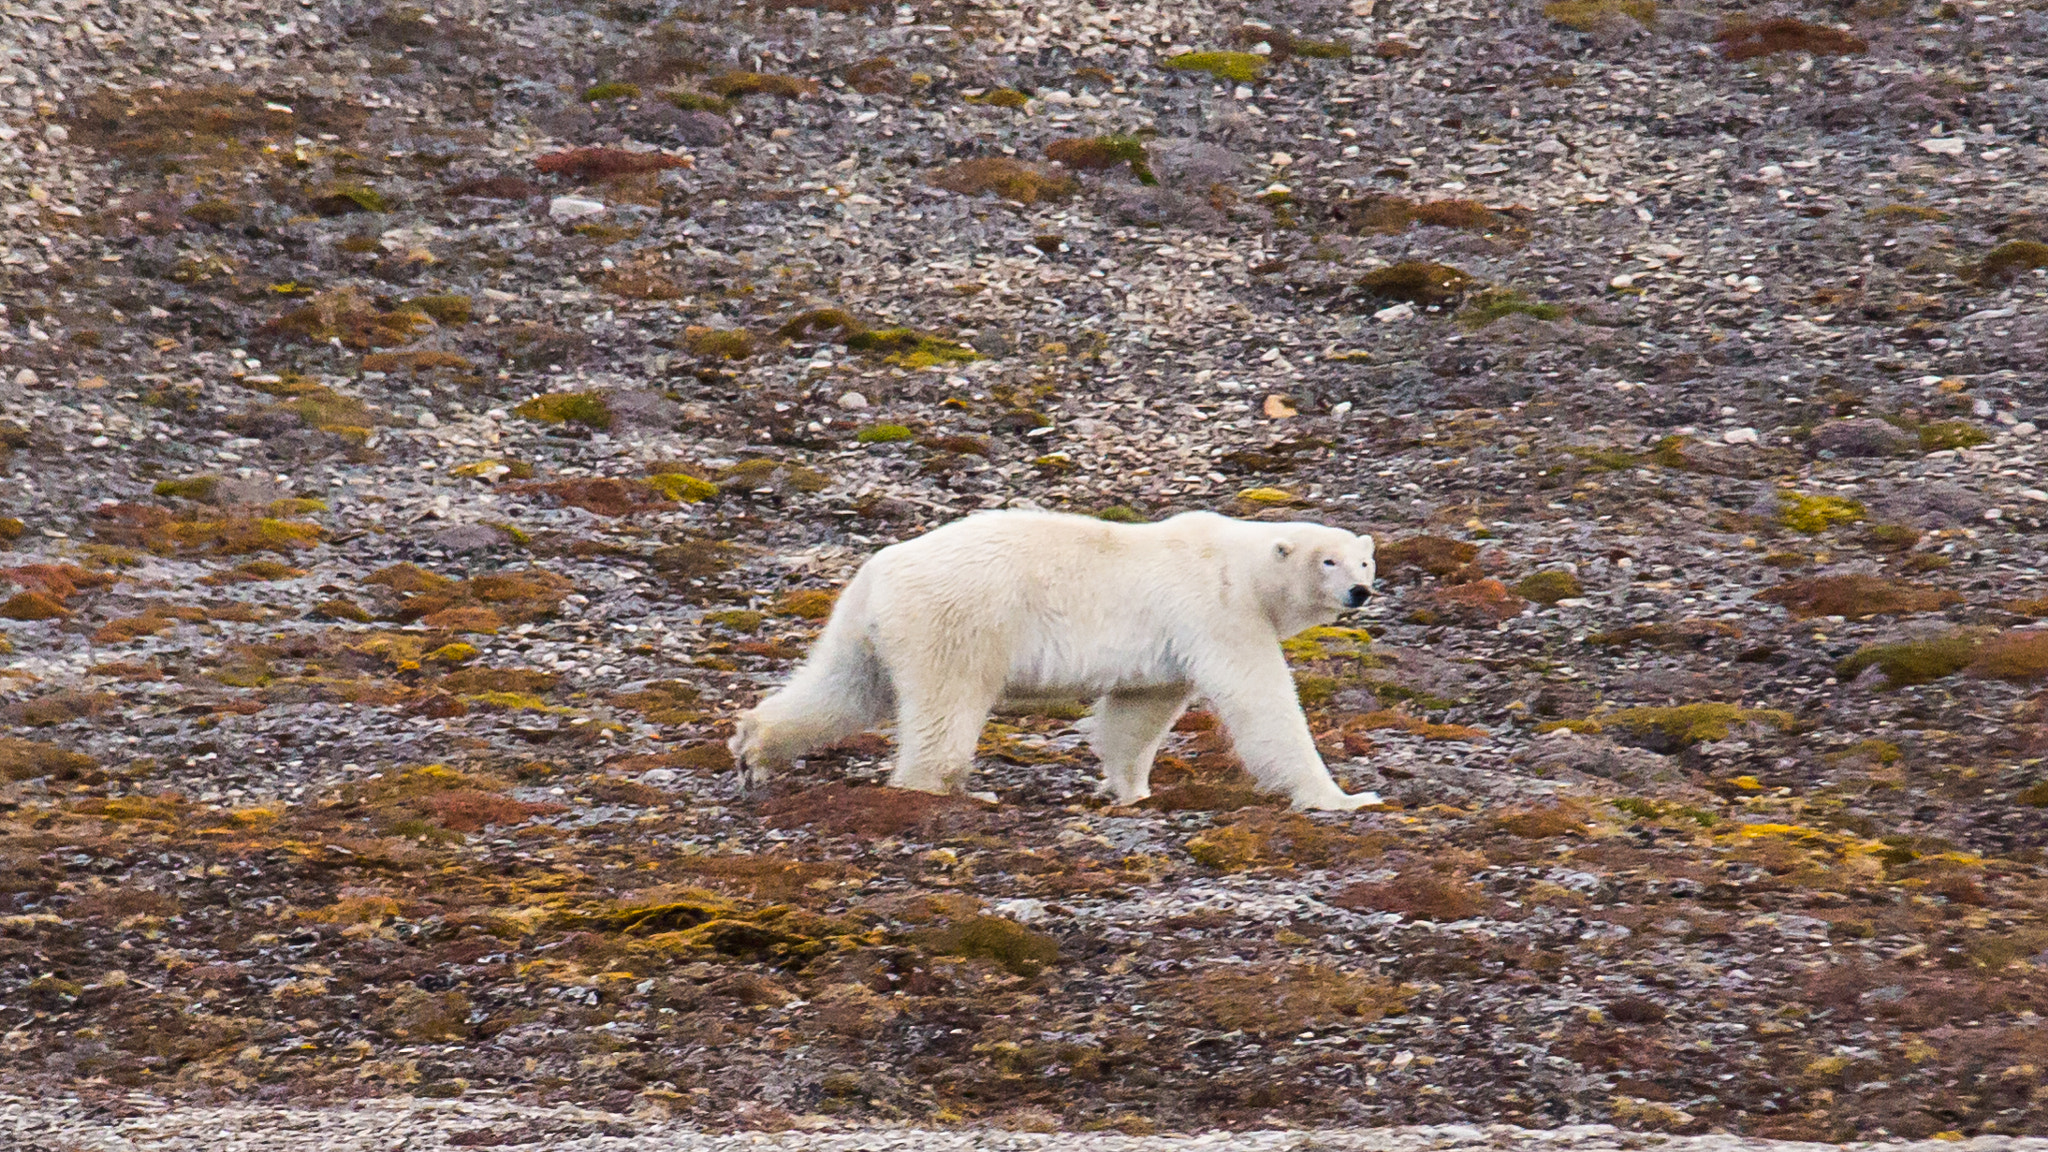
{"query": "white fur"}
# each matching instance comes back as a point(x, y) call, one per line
point(1141, 617)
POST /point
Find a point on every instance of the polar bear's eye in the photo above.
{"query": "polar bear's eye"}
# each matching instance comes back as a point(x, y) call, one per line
point(1329, 563)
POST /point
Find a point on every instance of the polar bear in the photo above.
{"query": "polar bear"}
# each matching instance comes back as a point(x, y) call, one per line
point(1142, 618)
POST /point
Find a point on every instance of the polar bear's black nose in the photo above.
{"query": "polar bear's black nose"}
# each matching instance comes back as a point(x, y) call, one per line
point(1359, 594)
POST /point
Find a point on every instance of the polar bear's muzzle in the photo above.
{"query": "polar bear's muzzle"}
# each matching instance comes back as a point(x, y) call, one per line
point(1358, 595)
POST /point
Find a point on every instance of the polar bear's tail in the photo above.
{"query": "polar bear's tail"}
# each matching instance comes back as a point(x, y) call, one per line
point(840, 690)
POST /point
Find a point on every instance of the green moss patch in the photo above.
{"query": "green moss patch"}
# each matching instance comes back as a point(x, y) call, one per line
point(586, 408)
point(1239, 67)
point(1914, 661)
point(1499, 303)
point(1816, 514)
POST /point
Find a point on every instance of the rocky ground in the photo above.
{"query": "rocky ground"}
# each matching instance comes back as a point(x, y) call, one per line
point(425, 426)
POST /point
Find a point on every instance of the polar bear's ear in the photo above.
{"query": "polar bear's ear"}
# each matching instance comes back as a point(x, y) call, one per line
point(1282, 550)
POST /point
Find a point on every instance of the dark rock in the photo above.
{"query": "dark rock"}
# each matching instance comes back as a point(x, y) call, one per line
point(1860, 437)
point(643, 410)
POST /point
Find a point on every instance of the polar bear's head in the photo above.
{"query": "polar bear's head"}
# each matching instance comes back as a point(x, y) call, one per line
point(1319, 572)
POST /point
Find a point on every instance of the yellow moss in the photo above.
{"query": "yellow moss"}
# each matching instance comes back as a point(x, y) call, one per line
point(457, 653)
point(1693, 723)
point(1913, 661)
point(1815, 514)
point(493, 469)
point(1587, 15)
point(1314, 644)
point(808, 604)
point(1241, 67)
point(193, 488)
point(1313, 690)
point(1017, 948)
point(587, 408)
point(232, 537)
point(724, 343)
point(684, 487)
point(1268, 496)
point(736, 619)
point(295, 506)
point(1000, 97)
point(515, 702)
point(1549, 587)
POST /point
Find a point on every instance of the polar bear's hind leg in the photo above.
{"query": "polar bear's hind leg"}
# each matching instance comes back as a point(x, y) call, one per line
point(839, 691)
point(938, 723)
point(1126, 731)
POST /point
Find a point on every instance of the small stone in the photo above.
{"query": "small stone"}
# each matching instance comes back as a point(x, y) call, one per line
point(852, 400)
point(1277, 407)
point(1860, 437)
point(563, 208)
point(1625, 280)
point(1740, 436)
point(660, 777)
point(469, 537)
point(57, 134)
point(429, 420)
point(26, 378)
point(1944, 145)
point(1396, 312)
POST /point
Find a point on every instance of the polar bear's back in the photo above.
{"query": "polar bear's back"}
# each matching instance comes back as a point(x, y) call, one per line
point(1073, 601)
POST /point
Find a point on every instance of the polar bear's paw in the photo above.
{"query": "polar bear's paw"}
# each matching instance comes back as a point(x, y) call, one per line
point(1336, 800)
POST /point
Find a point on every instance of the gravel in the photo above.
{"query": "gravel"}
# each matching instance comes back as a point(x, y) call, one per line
point(424, 1124)
point(424, 426)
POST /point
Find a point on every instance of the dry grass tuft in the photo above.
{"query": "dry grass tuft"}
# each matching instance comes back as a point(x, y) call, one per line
point(1744, 40)
point(1543, 821)
point(733, 85)
point(1436, 555)
point(27, 760)
point(1018, 949)
point(2010, 260)
point(1420, 894)
point(1857, 596)
point(1288, 998)
point(347, 315)
point(1255, 838)
point(604, 495)
point(1479, 603)
point(1390, 214)
point(723, 343)
point(1390, 720)
point(1679, 636)
point(1009, 179)
point(1591, 15)
point(1417, 282)
point(2019, 656)
point(1683, 725)
point(1096, 153)
point(1914, 661)
point(846, 810)
point(518, 597)
point(605, 163)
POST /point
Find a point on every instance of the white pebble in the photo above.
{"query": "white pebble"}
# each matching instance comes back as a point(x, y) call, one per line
point(852, 400)
point(573, 208)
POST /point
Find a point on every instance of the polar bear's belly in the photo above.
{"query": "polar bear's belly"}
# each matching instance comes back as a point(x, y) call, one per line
point(1089, 662)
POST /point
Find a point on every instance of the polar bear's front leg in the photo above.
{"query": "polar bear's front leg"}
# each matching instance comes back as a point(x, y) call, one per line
point(1254, 695)
point(1126, 731)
